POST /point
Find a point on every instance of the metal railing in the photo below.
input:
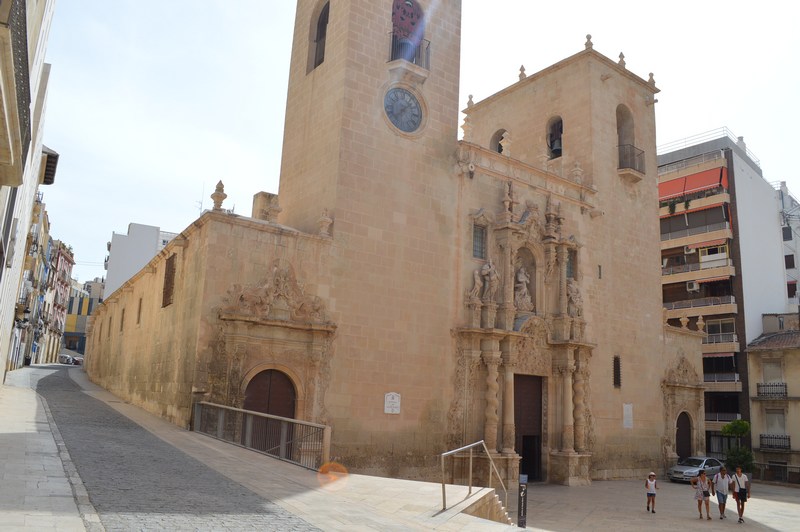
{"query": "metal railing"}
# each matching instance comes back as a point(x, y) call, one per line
point(771, 389)
point(720, 338)
point(720, 377)
point(299, 442)
point(704, 137)
point(631, 157)
point(680, 198)
point(700, 302)
point(685, 163)
point(411, 49)
point(722, 416)
point(492, 469)
point(694, 231)
point(774, 441)
point(789, 474)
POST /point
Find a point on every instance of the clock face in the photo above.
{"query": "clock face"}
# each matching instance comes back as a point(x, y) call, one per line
point(403, 109)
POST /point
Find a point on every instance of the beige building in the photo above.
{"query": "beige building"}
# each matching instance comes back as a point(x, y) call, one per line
point(417, 293)
point(774, 363)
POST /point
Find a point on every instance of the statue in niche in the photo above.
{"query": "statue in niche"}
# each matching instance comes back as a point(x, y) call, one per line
point(574, 299)
point(477, 285)
point(522, 295)
point(489, 272)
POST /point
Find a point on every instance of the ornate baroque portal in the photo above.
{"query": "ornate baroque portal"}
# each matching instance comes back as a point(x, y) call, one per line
point(525, 317)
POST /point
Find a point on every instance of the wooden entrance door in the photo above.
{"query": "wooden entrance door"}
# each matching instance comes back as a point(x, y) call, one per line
point(528, 424)
point(271, 392)
point(683, 436)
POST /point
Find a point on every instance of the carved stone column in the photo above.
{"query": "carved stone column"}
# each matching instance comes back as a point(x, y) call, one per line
point(562, 279)
point(578, 396)
point(474, 306)
point(568, 429)
point(509, 436)
point(507, 311)
point(492, 361)
point(491, 314)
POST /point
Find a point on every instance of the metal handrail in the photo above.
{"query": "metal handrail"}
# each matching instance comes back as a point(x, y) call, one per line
point(491, 462)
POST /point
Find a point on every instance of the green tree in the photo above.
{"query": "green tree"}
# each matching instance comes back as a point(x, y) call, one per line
point(738, 455)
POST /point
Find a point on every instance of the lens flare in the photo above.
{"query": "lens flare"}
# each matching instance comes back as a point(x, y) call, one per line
point(332, 476)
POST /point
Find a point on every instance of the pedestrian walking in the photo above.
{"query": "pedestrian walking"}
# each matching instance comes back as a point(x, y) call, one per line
point(720, 486)
point(651, 485)
point(741, 485)
point(702, 493)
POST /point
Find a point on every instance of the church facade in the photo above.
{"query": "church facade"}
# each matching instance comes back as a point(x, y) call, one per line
point(418, 293)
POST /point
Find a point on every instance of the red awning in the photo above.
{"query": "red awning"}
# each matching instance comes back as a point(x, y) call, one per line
point(693, 183)
point(712, 279)
point(717, 355)
point(708, 244)
point(791, 282)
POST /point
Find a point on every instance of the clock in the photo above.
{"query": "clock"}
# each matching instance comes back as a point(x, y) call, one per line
point(403, 109)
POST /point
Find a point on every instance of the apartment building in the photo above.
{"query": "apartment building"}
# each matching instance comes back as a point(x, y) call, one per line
point(129, 253)
point(722, 261)
point(83, 299)
point(789, 210)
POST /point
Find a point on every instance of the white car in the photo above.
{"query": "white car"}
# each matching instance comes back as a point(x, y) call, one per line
point(688, 468)
point(64, 358)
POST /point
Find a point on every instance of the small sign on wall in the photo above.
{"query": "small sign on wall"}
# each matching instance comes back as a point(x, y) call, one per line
point(627, 415)
point(391, 403)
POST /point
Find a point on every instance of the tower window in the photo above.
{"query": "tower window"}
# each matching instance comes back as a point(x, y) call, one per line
point(408, 30)
point(320, 33)
point(617, 372)
point(479, 241)
point(496, 144)
point(169, 282)
point(555, 131)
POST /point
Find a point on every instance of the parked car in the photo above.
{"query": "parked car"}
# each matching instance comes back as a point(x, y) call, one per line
point(688, 468)
point(77, 360)
point(64, 358)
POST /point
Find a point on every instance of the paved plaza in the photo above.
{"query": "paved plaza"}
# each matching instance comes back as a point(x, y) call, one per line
point(74, 457)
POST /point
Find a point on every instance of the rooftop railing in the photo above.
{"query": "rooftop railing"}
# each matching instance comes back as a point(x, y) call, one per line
point(700, 302)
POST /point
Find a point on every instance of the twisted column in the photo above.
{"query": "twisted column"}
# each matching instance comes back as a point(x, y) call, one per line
point(578, 409)
point(509, 436)
point(567, 430)
point(492, 360)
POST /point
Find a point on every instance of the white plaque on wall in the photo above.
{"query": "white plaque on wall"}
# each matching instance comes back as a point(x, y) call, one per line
point(391, 403)
point(627, 415)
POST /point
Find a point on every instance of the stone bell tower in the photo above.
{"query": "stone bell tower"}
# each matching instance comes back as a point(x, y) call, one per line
point(371, 129)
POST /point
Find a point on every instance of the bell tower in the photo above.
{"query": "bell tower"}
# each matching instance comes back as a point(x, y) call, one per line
point(370, 136)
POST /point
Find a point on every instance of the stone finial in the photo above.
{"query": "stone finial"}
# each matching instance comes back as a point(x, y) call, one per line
point(621, 60)
point(684, 322)
point(470, 103)
point(466, 127)
point(589, 45)
point(219, 196)
point(701, 323)
point(522, 74)
point(651, 80)
point(324, 223)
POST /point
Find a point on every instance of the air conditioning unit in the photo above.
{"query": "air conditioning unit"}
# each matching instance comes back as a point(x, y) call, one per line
point(692, 286)
point(688, 251)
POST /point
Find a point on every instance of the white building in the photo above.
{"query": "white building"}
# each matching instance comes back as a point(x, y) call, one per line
point(789, 209)
point(130, 253)
point(24, 162)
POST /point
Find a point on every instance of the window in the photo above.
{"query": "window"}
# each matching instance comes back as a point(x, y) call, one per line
point(772, 371)
point(776, 421)
point(726, 326)
point(714, 250)
point(108, 334)
point(319, 34)
point(787, 233)
point(122, 320)
point(496, 144)
point(780, 323)
point(139, 312)
point(572, 263)
point(479, 241)
point(555, 130)
point(791, 289)
point(789, 261)
point(617, 372)
point(169, 282)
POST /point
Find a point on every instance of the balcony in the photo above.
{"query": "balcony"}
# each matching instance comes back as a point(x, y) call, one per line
point(695, 235)
point(780, 442)
point(409, 60)
point(716, 420)
point(722, 382)
point(631, 163)
point(771, 390)
point(703, 306)
point(721, 338)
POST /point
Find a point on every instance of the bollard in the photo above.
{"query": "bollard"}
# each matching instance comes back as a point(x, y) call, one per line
point(522, 502)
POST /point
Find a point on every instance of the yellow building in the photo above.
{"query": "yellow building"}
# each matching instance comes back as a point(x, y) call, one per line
point(417, 293)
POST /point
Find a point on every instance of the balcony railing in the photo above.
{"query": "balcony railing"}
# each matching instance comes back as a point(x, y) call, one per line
point(696, 266)
point(720, 338)
point(724, 417)
point(631, 157)
point(721, 377)
point(694, 231)
point(693, 196)
point(768, 390)
point(700, 302)
point(775, 441)
point(417, 51)
point(299, 442)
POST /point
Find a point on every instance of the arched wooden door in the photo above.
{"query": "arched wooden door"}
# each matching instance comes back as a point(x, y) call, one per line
point(271, 392)
point(683, 436)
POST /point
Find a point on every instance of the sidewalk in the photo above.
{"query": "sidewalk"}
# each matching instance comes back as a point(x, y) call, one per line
point(35, 490)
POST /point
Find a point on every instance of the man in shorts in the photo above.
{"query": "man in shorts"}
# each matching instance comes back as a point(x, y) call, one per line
point(742, 486)
point(720, 485)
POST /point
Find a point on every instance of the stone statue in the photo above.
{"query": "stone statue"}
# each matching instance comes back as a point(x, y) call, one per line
point(574, 299)
point(492, 283)
point(477, 284)
point(522, 295)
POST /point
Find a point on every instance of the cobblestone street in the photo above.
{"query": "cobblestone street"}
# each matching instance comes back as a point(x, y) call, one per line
point(136, 481)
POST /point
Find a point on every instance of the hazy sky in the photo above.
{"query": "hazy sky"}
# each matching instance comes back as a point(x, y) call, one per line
point(150, 107)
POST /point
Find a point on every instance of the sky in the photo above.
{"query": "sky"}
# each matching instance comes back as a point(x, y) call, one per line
point(149, 108)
